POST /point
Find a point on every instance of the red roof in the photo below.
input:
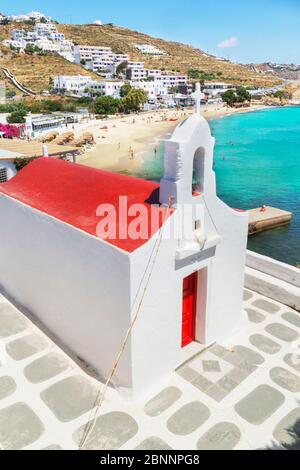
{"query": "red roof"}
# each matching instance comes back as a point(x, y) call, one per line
point(72, 193)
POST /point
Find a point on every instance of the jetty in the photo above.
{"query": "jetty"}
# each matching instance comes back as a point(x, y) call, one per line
point(266, 218)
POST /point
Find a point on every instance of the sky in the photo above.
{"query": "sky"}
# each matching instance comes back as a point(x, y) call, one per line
point(241, 30)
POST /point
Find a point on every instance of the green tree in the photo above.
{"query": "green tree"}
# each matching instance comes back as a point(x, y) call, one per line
point(134, 100)
point(106, 105)
point(282, 95)
point(240, 95)
point(229, 97)
point(121, 68)
point(125, 89)
point(243, 94)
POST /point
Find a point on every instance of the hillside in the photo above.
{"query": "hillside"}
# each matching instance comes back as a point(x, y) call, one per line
point(180, 58)
point(282, 71)
point(37, 72)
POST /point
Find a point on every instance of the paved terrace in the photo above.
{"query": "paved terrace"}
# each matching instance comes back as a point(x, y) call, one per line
point(245, 395)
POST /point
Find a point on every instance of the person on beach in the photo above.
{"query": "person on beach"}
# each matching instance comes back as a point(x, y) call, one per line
point(119, 146)
point(131, 153)
point(155, 152)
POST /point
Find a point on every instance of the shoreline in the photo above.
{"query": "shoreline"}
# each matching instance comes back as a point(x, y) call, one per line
point(123, 143)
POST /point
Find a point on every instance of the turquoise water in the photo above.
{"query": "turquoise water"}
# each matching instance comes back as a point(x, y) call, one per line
point(257, 161)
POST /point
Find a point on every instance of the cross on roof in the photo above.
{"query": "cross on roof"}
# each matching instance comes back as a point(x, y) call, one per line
point(198, 96)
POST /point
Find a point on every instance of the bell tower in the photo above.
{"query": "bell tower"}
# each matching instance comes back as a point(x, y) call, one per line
point(188, 159)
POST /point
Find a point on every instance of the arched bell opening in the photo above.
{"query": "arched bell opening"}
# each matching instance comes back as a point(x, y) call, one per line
point(198, 172)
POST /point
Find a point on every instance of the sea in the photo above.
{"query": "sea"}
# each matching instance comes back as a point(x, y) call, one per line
point(256, 161)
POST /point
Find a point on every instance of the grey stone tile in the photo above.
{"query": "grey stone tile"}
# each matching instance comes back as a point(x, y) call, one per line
point(110, 432)
point(217, 393)
point(211, 366)
point(293, 318)
point(247, 367)
point(188, 418)
point(285, 379)
point(260, 404)
point(70, 398)
point(222, 436)
point(188, 373)
point(153, 443)
point(19, 427)
point(265, 344)
point(227, 383)
point(25, 347)
point(247, 295)
point(293, 360)
point(45, 368)
point(249, 355)
point(202, 383)
point(11, 321)
point(266, 305)
point(196, 379)
point(218, 350)
point(7, 387)
point(233, 357)
point(162, 401)
point(287, 432)
point(254, 316)
point(282, 332)
point(238, 375)
point(53, 447)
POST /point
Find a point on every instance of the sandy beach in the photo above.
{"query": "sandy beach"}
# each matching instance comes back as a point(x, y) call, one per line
point(123, 143)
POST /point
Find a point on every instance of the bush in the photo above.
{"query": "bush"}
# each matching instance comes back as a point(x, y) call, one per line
point(10, 131)
point(10, 94)
point(16, 117)
point(201, 75)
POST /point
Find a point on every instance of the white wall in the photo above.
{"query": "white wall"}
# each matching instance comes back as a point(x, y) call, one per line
point(10, 167)
point(156, 340)
point(75, 284)
point(273, 267)
point(273, 279)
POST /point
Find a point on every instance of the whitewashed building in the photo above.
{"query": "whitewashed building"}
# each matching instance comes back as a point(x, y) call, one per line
point(172, 80)
point(106, 88)
point(216, 89)
point(136, 71)
point(71, 84)
point(153, 88)
point(84, 53)
point(149, 49)
point(181, 279)
point(7, 164)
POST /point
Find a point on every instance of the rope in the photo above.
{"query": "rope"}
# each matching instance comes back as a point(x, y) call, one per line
point(89, 428)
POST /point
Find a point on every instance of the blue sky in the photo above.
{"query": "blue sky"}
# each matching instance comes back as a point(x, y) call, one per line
point(242, 30)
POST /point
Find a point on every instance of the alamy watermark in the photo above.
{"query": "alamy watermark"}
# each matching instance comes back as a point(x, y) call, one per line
point(142, 221)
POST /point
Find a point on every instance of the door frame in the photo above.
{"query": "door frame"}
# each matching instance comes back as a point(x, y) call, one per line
point(194, 312)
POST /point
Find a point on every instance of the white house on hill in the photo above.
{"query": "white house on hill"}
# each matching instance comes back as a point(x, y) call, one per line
point(183, 276)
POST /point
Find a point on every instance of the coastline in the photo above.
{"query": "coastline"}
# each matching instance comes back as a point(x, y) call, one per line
point(122, 143)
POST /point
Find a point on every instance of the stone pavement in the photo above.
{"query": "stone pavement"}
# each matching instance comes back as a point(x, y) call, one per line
point(242, 395)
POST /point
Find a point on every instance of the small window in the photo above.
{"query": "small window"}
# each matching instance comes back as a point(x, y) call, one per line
point(3, 175)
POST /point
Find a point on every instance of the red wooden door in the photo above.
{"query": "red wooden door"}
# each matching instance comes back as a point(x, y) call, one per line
point(189, 309)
